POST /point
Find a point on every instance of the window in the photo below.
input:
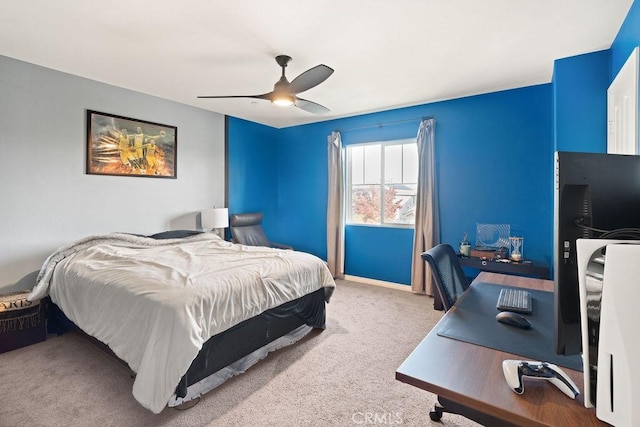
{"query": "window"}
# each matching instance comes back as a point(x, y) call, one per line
point(382, 168)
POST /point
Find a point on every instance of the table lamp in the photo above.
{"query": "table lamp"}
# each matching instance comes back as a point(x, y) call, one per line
point(215, 219)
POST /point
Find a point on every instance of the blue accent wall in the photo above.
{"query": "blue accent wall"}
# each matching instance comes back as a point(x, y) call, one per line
point(580, 102)
point(253, 177)
point(303, 196)
point(626, 40)
point(302, 187)
point(380, 253)
point(494, 159)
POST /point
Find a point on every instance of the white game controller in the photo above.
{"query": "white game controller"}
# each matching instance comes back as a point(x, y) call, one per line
point(515, 370)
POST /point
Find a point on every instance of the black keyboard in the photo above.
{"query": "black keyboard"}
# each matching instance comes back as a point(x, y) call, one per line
point(517, 300)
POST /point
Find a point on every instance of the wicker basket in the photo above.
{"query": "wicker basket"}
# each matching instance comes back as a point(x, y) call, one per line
point(22, 322)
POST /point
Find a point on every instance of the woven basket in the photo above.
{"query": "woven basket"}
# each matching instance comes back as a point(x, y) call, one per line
point(22, 322)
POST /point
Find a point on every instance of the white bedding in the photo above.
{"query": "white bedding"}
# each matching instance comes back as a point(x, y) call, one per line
point(155, 302)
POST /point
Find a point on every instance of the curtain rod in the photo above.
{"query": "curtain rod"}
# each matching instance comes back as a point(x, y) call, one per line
point(379, 125)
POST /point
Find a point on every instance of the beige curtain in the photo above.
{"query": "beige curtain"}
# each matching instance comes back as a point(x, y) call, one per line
point(335, 207)
point(427, 227)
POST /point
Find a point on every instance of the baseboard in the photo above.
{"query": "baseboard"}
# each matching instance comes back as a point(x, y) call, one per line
point(391, 285)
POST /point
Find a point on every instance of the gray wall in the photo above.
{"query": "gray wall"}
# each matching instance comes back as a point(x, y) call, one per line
point(47, 200)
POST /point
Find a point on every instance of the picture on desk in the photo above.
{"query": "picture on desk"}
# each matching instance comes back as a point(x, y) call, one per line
point(493, 236)
point(494, 242)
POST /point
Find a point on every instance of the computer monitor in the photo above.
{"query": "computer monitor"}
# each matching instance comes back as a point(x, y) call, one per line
point(596, 196)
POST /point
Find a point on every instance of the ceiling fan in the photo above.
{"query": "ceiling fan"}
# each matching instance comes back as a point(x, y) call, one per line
point(284, 93)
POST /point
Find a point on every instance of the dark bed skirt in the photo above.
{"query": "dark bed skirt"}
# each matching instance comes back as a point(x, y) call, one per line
point(227, 347)
point(233, 344)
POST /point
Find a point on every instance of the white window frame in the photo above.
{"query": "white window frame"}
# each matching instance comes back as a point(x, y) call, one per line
point(349, 192)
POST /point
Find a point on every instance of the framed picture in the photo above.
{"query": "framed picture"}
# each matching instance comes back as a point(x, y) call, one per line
point(123, 146)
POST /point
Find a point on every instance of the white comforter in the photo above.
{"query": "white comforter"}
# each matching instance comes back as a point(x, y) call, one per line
point(155, 302)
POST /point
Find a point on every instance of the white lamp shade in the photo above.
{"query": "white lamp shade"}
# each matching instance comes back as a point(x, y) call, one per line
point(214, 218)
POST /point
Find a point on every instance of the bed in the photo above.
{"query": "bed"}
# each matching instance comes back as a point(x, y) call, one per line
point(185, 311)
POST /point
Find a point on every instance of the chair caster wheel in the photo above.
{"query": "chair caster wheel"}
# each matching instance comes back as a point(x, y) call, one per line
point(436, 414)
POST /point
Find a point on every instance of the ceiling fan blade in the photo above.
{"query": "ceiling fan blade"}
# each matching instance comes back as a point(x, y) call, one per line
point(310, 78)
point(263, 96)
point(310, 107)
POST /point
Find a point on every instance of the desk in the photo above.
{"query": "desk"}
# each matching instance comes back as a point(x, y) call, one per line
point(471, 375)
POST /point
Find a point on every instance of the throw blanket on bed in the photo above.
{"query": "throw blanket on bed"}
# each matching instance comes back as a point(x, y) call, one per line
point(155, 302)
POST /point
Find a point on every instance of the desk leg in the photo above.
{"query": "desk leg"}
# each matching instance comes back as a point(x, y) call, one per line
point(437, 302)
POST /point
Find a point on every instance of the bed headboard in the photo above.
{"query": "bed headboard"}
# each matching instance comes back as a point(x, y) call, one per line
point(175, 234)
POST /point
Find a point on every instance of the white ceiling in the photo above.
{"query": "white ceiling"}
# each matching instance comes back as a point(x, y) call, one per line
point(385, 53)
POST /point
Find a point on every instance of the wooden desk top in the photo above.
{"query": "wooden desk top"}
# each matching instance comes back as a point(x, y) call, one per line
point(472, 375)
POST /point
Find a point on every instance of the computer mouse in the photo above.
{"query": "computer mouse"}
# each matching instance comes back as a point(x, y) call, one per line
point(513, 319)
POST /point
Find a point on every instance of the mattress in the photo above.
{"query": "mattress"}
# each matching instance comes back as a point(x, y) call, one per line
point(155, 302)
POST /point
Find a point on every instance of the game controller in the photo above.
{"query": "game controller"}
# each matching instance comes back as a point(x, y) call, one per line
point(515, 370)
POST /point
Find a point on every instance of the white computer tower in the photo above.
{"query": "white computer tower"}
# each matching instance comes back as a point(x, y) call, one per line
point(609, 281)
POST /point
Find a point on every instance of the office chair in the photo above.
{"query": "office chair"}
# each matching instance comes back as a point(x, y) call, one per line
point(450, 283)
point(447, 274)
point(246, 229)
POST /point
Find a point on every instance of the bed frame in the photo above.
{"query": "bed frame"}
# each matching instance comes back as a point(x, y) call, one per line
point(229, 346)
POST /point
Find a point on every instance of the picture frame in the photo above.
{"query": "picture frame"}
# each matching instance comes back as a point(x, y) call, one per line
point(123, 146)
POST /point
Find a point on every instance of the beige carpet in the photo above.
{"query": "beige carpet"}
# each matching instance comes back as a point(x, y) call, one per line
point(343, 376)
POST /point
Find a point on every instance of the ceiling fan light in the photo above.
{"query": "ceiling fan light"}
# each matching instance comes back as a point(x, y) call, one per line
point(283, 100)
